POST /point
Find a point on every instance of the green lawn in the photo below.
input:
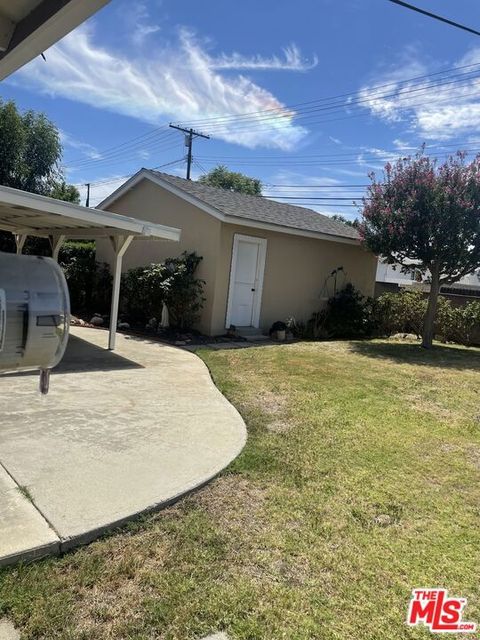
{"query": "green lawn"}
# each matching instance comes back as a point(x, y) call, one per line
point(359, 481)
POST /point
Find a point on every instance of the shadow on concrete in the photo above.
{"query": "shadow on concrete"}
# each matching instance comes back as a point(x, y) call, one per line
point(444, 356)
point(83, 356)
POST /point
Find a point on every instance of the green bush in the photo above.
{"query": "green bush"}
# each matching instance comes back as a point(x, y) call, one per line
point(457, 324)
point(145, 289)
point(404, 313)
point(400, 313)
point(89, 282)
point(348, 314)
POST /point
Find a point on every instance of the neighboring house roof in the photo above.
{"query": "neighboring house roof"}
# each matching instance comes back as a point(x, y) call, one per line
point(238, 208)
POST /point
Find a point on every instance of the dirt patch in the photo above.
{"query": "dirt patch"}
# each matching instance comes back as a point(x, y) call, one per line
point(232, 502)
point(473, 455)
point(280, 426)
point(270, 402)
point(426, 404)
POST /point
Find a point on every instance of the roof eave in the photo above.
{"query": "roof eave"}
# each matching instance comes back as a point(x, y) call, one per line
point(47, 23)
point(216, 213)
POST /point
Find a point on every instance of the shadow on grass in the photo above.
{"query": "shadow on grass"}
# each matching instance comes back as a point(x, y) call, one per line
point(448, 357)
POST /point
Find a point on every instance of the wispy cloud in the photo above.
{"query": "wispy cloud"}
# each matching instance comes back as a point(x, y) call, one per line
point(142, 31)
point(137, 22)
point(335, 140)
point(88, 150)
point(401, 145)
point(180, 83)
point(439, 113)
point(292, 60)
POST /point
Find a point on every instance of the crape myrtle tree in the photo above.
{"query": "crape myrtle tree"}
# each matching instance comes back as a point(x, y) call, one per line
point(426, 217)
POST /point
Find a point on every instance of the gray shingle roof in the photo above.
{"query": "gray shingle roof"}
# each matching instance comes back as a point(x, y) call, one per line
point(261, 209)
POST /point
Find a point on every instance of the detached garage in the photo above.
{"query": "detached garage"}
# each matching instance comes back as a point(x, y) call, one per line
point(263, 260)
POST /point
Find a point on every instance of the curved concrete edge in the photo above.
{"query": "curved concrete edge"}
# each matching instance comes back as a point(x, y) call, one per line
point(24, 533)
point(31, 555)
point(68, 544)
point(59, 545)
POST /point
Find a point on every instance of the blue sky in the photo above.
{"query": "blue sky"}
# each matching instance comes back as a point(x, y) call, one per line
point(263, 79)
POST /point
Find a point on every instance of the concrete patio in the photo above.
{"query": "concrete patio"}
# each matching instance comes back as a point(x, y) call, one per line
point(120, 433)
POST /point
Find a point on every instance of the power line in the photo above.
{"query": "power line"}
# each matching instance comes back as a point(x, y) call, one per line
point(435, 16)
point(160, 134)
point(301, 118)
point(285, 108)
point(190, 134)
point(308, 197)
point(163, 140)
point(128, 176)
point(314, 186)
point(127, 142)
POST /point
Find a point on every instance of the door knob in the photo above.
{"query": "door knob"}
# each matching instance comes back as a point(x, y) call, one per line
point(253, 289)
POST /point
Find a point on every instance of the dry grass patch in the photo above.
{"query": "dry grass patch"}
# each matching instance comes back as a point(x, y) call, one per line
point(315, 531)
point(233, 502)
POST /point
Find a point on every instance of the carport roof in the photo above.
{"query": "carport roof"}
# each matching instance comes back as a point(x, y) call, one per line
point(24, 213)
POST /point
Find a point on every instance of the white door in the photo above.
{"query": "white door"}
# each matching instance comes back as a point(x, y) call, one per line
point(246, 281)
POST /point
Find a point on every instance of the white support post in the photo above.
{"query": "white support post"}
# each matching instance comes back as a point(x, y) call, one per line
point(20, 241)
point(120, 245)
point(56, 242)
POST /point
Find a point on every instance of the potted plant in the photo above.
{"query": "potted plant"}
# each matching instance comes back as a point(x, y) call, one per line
point(278, 331)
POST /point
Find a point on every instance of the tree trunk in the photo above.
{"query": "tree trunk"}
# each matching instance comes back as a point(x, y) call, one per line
point(429, 321)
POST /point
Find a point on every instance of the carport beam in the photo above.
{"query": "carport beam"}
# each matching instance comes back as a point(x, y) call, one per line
point(56, 242)
point(20, 241)
point(120, 245)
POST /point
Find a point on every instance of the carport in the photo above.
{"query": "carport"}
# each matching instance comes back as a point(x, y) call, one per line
point(26, 214)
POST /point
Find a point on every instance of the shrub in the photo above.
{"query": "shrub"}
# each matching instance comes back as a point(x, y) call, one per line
point(173, 282)
point(348, 314)
point(89, 282)
point(457, 324)
point(402, 312)
point(298, 328)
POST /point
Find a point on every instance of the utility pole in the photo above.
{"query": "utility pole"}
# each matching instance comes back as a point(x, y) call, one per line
point(190, 134)
point(87, 202)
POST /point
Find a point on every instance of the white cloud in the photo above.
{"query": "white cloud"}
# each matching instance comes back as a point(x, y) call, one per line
point(137, 15)
point(142, 31)
point(88, 150)
point(401, 145)
point(292, 60)
point(443, 112)
point(179, 83)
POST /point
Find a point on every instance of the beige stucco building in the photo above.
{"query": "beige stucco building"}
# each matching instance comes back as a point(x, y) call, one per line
point(263, 260)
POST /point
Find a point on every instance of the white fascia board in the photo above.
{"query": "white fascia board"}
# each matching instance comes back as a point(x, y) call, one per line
point(94, 217)
point(74, 13)
point(244, 222)
point(7, 27)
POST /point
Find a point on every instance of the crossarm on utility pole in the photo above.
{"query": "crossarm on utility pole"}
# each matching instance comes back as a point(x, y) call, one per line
point(190, 135)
